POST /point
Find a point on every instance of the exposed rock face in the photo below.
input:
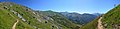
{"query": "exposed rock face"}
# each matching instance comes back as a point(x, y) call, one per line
point(16, 13)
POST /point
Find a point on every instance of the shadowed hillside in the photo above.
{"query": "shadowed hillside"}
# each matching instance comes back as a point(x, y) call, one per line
point(80, 18)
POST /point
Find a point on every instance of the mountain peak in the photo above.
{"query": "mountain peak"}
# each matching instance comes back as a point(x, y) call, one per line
point(31, 19)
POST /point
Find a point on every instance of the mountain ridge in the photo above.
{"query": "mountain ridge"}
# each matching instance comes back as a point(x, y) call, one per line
point(30, 19)
point(83, 18)
point(110, 20)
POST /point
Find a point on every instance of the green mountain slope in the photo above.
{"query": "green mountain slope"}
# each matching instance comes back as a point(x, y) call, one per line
point(7, 18)
point(110, 20)
point(91, 25)
point(60, 19)
point(30, 19)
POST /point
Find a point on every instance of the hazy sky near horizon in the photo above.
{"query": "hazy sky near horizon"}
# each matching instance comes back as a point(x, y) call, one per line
point(79, 6)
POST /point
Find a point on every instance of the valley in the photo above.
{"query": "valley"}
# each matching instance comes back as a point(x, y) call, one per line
point(16, 16)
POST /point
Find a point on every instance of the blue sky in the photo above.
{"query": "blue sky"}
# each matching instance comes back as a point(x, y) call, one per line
point(79, 6)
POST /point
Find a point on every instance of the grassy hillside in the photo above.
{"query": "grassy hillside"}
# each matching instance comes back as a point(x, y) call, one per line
point(29, 19)
point(60, 19)
point(111, 19)
point(91, 25)
point(79, 18)
point(7, 18)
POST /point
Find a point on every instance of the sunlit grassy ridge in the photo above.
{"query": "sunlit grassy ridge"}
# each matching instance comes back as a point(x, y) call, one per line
point(60, 19)
point(10, 12)
point(7, 18)
point(91, 25)
point(111, 20)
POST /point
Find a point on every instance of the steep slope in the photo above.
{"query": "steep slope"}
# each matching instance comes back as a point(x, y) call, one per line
point(30, 19)
point(111, 20)
point(100, 26)
point(8, 18)
point(91, 25)
point(80, 18)
point(60, 19)
point(14, 26)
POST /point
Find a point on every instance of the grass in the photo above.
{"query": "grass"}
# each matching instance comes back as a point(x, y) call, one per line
point(60, 19)
point(7, 19)
point(91, 25)
point(110, 20)
point(112, 17)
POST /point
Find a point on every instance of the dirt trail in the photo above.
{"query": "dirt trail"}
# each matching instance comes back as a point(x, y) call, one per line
point(14, 26)
point(100, 24)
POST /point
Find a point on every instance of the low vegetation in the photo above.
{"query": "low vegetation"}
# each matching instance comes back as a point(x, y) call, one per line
point(30, 19)
point(91, 25)
point(111, 19)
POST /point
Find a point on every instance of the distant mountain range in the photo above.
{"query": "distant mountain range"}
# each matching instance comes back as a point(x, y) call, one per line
point(110, 20)
point(15, 16)
point(80, 18)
